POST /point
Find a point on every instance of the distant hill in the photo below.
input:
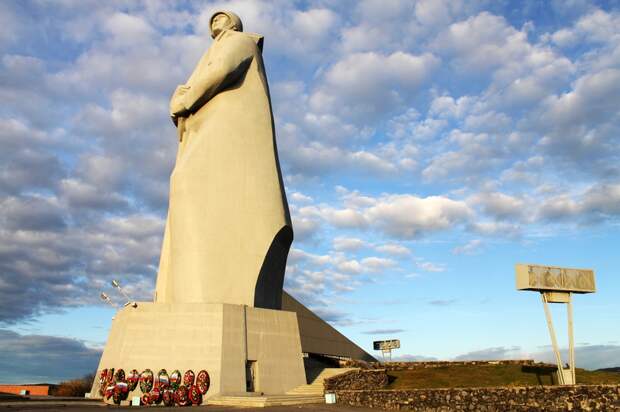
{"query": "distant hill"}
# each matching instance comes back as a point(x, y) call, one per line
point(616, 369)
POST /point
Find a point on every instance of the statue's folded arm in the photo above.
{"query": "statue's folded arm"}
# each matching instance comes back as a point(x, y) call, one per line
point(234, 57)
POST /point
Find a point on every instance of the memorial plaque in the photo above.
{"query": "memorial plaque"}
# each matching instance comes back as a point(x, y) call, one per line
point(386, 344)
point(554, 279)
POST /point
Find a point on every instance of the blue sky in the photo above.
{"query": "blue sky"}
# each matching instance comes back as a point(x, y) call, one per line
point(426, 148)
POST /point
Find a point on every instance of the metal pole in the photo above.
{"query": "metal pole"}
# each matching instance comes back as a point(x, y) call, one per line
point(554, 341)
point(571, 339)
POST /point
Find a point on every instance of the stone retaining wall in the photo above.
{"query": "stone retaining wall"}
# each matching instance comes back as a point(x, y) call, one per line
point(357, 379)
point(392, 366)
point(532, 398)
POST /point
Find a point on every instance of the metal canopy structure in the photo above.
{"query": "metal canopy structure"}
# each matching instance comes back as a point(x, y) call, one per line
point(556, 285)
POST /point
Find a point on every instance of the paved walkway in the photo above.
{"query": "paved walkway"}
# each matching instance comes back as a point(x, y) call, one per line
point(68, 406)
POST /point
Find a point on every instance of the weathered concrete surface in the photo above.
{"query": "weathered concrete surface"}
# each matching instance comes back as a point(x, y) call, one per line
point(228, 230)
point(216, 337)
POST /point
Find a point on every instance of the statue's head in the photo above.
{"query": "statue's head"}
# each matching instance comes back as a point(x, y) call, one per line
point(224, 20)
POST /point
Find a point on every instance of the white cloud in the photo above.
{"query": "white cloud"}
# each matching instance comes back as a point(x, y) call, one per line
point(594, 98)
point(401, 216)
point(314, 25)
point(501, 205)
point(470, 248)
point(477, 155)
point(305, 223)
point(298, 255)
point(86, 196)
point(33, 213)
point(495, 353)
point(447, 106)
point(128, 30)
point(300, 197)
point(394, 249)
point(482, 42)
point(431, 267)
point(345, 218)
point(10, 29)
point(596, 203)
point(65, 358)
point(364, 86)
point(493, 228)
point(520, 73)
point(596, 26)
point(375, 264)
point(348, 244)
point(350, 266)
point(406, 216)
point(317, 158)
point(588, 357)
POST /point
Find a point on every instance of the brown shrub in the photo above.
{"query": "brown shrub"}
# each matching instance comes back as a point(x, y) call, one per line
point(74, 387)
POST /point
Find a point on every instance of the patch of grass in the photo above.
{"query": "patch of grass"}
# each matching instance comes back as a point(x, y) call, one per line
point(595, 377)
point(461, 376)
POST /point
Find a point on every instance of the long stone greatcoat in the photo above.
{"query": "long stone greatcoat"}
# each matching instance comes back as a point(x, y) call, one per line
point(228, 230)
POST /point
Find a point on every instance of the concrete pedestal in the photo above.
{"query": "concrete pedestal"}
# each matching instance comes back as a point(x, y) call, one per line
point(220, 338)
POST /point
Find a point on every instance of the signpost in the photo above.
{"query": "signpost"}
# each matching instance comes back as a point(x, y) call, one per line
point(556, 285)
point(386, 346)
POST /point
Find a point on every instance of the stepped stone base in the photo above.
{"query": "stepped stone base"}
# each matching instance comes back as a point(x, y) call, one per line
point(219, 338)
point(303, 394)
point(317, 386)
point(263, 401)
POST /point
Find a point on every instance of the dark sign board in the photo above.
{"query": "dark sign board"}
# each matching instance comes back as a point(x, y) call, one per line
point(386, 344)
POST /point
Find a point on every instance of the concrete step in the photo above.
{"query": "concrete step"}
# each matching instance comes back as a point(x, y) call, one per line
point(267, 400)
point(318, 392)
point(316, 386)
point(308, 388)
point(330, 372)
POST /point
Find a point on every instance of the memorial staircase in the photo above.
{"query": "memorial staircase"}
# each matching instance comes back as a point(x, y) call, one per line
point(316, 386)
point(310, 393)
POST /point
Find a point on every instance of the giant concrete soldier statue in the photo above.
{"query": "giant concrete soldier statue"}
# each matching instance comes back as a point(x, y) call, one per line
point(219, 305)
point(228, 230)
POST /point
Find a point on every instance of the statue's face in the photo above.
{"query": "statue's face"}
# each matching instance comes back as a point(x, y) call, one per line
point(220, 22)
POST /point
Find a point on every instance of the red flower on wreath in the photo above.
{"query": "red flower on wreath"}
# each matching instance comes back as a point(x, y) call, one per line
point(155, 395)
point(110, 380)
point(203, 381)
point(132, 379)
point(120, 392)
point(195, 397)
point(175, 379)
point(116, 397)
point(146, 381)
point(103, 376)
point(103, 380)
point(168, 397)
point(164, 380)
point(109, 391)
point(188, 378)
point(146, 399)
point(119, 376)
point(181, 396)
